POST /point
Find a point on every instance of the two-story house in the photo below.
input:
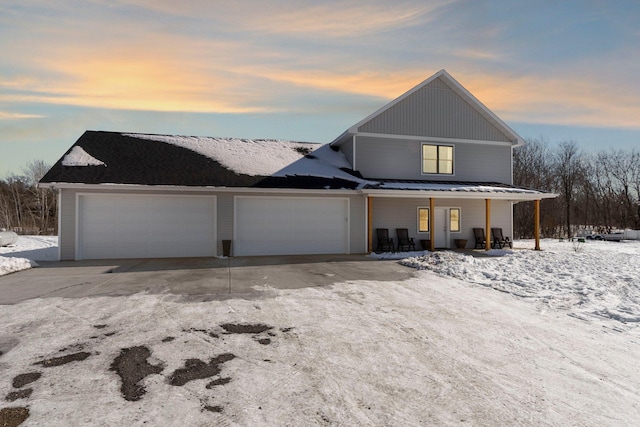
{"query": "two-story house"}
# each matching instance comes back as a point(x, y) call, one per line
point(435, 161)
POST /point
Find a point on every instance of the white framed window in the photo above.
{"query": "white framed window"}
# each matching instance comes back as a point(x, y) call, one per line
point(423, 219)
point(437, 159)
point(454, 220)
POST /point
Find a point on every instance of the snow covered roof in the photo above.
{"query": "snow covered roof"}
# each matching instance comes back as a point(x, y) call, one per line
point(78, 157)
point(254, 157)
point(172, 160)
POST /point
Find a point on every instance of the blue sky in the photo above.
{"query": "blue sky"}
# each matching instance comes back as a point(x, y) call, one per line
point(307, 70)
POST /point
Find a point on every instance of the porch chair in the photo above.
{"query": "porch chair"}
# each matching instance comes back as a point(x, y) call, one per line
point(481, 240)
point(404, 240)
point(499, 240)
point(385, 243)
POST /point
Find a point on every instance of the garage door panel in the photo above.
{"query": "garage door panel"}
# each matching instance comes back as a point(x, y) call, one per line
point(145, 226)
point(287, 226)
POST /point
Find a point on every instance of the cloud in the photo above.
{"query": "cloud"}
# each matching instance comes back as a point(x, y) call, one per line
point(8, 115)
point(563, 99)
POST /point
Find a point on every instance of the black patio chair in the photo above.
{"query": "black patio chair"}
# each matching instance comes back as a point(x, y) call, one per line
point(499, 240)
point(385, 243)
point(481, 240)
point(404, 241)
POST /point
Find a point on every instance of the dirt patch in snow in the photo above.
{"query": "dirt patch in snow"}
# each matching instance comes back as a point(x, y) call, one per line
point(234, 328)
point(21, 380)
point(12, 417)
point(195, 369)
point(20, 394)
point(132, 367)
point(63, 360)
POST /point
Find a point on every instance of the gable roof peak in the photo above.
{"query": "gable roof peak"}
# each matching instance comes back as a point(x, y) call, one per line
point(454, 85)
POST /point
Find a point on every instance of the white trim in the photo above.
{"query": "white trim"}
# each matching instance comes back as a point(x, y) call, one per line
point(353, 166)
point(79, 255)
point(59, 224)
point(117, 188)
point(439, 139)
point(348, 219)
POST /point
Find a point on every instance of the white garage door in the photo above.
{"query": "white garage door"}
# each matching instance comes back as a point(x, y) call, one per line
point(290, 225)
point(142, 226)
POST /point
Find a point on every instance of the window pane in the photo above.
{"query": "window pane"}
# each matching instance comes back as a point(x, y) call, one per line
point(446, 153)
point(430, 166)
point(423, 220)
point(454, 219)
point(446, 160)
point(430, 158)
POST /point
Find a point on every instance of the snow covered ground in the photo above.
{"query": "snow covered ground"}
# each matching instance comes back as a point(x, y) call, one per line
point(556, 345)
point(26, 252)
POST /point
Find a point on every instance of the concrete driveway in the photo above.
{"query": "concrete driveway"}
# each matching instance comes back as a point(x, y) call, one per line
point(194, 278)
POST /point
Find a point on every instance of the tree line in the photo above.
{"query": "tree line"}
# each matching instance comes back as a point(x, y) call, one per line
point(597, 191)
point(26, 208)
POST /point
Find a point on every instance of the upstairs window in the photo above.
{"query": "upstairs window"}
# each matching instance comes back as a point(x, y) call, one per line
point(437, 159)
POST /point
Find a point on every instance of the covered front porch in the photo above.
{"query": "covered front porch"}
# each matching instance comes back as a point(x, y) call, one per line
point(445, 218)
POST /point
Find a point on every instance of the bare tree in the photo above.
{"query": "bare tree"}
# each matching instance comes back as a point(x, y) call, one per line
point(569, 167)
point(532, 168)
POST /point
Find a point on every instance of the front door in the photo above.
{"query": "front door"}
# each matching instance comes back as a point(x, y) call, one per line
point(441, 228)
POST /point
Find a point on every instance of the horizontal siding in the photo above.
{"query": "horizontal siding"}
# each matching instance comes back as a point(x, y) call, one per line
point(347, 149)
point(387, 158)
point(438, 111)
point(392, 213)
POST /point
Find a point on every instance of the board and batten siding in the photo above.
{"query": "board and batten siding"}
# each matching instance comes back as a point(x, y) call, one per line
point(392, 213)
point(388, 158)
point(435, 110)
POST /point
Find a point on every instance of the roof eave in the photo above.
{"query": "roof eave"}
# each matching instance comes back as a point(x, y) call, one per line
point(445, 194)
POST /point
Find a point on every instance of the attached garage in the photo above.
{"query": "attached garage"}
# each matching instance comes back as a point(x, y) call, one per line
point(291, 226)
point(145, 226)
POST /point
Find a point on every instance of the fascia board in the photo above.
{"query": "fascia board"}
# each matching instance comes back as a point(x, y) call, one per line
point(160, 188)
point(434, 139)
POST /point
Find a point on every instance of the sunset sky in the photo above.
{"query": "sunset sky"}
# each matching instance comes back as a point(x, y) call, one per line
point(307, 70)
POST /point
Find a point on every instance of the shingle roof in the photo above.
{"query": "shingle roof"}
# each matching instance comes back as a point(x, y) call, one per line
point(99, 157)
point(131, 160)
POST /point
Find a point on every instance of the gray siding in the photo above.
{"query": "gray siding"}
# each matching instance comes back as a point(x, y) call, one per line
point(392, 213)
point(224, 214)
point(386, 158)
point(67, 229)
point(438, 111)
point(358, 230)
point(347, 149)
